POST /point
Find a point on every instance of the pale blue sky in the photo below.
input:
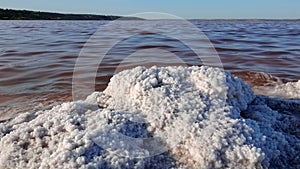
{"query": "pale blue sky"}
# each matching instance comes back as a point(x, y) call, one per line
point(272, 9)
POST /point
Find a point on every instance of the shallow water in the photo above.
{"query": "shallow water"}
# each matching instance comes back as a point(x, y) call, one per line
point(37, 58)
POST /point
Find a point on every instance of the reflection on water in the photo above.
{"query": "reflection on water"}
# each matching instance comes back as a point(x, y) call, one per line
point(37, 58)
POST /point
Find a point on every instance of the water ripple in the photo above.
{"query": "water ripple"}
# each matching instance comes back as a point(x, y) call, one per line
point(39, 56)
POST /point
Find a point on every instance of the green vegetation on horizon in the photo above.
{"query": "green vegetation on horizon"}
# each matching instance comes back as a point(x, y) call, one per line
point(10, 14)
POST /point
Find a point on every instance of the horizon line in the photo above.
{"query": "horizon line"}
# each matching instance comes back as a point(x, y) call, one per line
point(119, 15)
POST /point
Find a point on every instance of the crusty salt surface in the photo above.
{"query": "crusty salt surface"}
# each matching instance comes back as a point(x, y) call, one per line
point(288, 90)
point(168, 117)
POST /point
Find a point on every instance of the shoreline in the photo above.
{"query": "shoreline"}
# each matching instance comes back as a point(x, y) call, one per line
point(261, 83)
point(200, 105)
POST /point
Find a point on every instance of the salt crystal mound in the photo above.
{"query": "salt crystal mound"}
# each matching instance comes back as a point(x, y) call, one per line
point(288, 90)
point(170, 117)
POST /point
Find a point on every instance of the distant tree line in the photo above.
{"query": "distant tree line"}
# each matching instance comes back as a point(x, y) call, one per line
point(10, 14)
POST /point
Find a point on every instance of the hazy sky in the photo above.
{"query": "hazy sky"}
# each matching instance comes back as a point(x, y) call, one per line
point(273, 9)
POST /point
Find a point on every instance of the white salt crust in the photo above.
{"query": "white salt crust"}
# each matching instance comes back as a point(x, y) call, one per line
point(288, 90)
point(169, 117)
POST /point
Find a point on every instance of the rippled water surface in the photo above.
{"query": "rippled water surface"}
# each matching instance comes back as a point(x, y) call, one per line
point(37, 58)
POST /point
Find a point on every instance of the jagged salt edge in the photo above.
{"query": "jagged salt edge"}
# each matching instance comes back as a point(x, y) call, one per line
point(60, 123)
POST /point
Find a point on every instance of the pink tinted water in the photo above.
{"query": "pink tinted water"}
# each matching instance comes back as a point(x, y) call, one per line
point(37, 58)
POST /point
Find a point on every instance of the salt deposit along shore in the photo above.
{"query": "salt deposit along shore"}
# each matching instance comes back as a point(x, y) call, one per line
point(161, 117)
